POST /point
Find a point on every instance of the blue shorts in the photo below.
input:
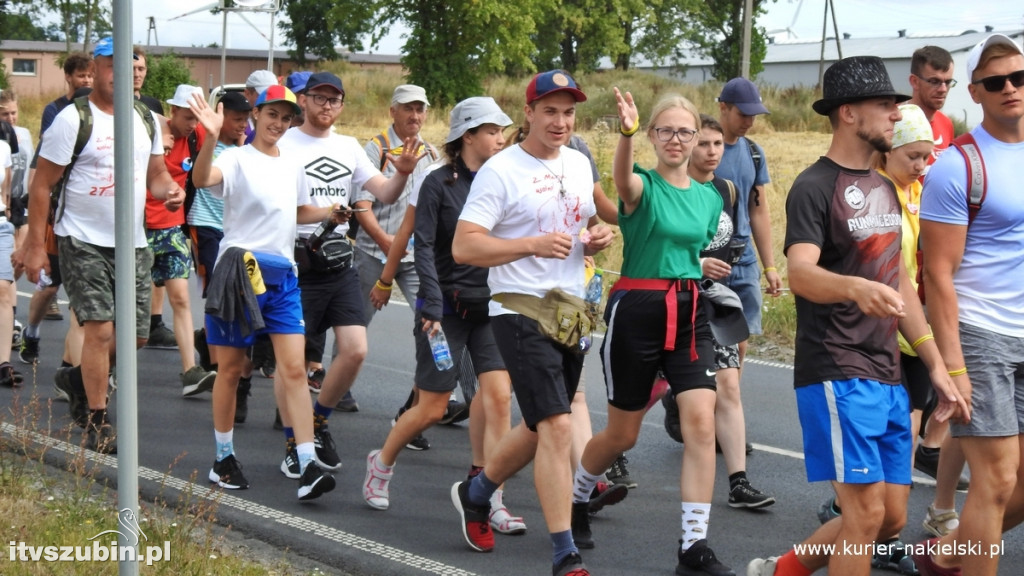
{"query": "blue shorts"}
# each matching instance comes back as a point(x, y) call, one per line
point(745, 281)
point(280, 305)
point(856, 431)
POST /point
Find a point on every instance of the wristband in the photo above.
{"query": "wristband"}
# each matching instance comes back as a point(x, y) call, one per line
point(629, 133)
point(959, 372)
point(770, 269)
point(382, 286)
point(922, 340)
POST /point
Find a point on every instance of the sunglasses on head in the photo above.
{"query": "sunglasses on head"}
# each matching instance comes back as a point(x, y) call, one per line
point(997, 83)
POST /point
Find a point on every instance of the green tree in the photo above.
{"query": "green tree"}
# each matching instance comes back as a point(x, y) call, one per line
point(575, 34)
point(165, 73)
point(18, 21)
point(718, 34)
point(320, 26)
point(82, 21)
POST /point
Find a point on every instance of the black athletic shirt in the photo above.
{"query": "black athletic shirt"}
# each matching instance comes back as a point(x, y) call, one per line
point(854, 216)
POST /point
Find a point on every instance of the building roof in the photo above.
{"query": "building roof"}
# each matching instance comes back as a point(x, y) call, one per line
point(896, 46)
point(200, 52)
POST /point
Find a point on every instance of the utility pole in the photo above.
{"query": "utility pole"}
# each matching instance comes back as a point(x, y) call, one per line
point(152, 29)
point(748, 18)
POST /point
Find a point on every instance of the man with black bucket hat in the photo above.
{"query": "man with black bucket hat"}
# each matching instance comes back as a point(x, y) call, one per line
point(852, 294)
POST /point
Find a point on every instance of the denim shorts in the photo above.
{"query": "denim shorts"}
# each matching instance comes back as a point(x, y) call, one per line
point(6, 249)
point(745, 281)
point(995, 364)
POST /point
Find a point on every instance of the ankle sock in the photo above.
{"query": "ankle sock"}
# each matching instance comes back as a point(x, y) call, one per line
point(583, 484)
point(320, 410)
point(225, 443)
point(695, 523)
point(306, 452)
point(562, 546)
point(480, 489)
point(289, 432)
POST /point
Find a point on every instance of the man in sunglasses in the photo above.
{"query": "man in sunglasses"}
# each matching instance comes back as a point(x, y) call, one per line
point(931, 79)
point(973, 271)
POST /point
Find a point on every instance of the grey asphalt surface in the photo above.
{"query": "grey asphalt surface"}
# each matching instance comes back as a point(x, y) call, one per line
point(420, 533)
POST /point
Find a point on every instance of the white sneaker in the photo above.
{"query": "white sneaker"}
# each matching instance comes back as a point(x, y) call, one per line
point(503, 521)
point(762, 566)
point(375, 486)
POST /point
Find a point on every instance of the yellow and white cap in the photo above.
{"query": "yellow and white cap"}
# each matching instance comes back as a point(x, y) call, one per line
point(914, 127)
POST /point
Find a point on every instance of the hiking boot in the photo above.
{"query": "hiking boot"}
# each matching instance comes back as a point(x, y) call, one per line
point(315, 379)
point(326, 452)
point(672, 418)
point(290, 465)
point(940, 524)
point(700, 560)
point(828, 510)
point(571, 565)
point(375, 484)
point(926, 565)
point(161, 337)
point(743, 495)
point(16, 336)
point(78, 403)
point(195, 380)
point(53, 311)
point(581, 533)
point(242, 394)
point(455, 413)
point(419, 443)
point(202, 349)
point(102, 438)
point(476, 528)
point(314, 482)
point(893, 556)
point(29, 352)
point(762, 566)
point(618, 474)
point(926, 461)
point(227, 473)
point(605, 494)
point(501, 519)
point(347, 403)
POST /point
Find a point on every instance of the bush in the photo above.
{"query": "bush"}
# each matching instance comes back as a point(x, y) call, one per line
point(165, 73)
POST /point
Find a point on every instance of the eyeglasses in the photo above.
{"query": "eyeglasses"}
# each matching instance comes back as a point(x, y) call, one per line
point(667, 134)
point(321, 100)
point(997, 83)
point(936, 82)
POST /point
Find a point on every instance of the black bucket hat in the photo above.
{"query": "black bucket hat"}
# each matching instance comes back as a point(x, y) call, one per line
point(854, 79)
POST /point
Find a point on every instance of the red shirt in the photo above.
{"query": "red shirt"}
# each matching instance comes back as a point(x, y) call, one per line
point(942, 131)
point(178, 162)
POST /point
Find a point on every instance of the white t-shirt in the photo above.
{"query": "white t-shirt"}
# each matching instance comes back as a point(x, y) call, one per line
point(261, 195)
point(988, 282)
point(89, 198)
point(515, 195)
point(335, 165)
point(5, 163)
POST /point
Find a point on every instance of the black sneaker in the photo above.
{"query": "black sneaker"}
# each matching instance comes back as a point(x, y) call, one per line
point(29, 352)
point(672, 417)
point(743, 495)
point(315, 379)
point(893, 556)
point(581, 534)
point(420, 442)
point(227, 473)
point(618, 474)
point(326, 452)
point(571, 565)
point(455, 413)
point(78, 403)
point(347, 403)
point(202, 348)
point(161, 337)
point(242, 394)
point(700, 560)
point(314, 482)
point(102, 438)
point(290, 465)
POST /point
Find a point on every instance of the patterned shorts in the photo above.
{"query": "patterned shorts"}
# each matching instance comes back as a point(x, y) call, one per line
point(172, 258)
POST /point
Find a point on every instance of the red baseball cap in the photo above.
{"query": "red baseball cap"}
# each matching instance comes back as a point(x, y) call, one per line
point(550, 82)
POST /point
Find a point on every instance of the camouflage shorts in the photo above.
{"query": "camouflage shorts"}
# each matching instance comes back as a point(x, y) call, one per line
point(90, 282)
point(172, 258)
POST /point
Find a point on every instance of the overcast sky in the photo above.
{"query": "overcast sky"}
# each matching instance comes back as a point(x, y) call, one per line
point(804, 17)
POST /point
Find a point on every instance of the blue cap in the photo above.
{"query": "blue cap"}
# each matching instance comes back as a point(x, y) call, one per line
point(325, 79)
point(550, 82)
point(105, 47)
point(743, 94)
point(296, 81)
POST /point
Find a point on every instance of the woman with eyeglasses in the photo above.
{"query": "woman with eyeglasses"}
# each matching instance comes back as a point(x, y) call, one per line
point(655, 320)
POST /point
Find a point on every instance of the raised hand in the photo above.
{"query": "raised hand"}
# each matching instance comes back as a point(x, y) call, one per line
point(628, 114)
point(211, 119)
point(406, 162)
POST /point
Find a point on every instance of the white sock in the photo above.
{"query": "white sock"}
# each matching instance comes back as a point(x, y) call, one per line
point(306, 452)
point(583, 484)
point(225, 445)
point(695, 523)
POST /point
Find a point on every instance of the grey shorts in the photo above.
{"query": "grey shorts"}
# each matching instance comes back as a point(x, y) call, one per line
point(995, 364)
point(90, 282)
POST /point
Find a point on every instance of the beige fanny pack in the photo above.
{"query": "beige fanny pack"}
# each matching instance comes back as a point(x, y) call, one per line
point(560, 316)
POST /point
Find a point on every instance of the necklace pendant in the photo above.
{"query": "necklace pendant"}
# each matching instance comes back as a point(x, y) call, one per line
point(912, 207)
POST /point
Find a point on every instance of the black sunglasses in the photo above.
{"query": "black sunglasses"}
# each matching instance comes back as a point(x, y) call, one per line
point(997, 83)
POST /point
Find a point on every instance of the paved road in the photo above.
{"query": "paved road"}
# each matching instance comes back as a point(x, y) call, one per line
point(420, 533)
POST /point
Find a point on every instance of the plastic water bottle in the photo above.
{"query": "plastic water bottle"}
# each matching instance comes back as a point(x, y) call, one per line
point(44, 280)
point(594, 291)
point(439, 348)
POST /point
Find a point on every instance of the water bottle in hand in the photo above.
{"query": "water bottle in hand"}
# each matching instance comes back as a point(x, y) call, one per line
point(595, 289)
point(439, 348)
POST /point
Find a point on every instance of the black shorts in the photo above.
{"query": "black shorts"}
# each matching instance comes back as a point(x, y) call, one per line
point(634, 348)
point(329, 300)
point(206, 240)
point(19, 213)
point(55, 277)
point(464, 336)
point(916, 380)
point(544, 375)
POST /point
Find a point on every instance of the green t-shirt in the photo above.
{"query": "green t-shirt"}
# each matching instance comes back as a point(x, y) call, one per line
point(663, 237)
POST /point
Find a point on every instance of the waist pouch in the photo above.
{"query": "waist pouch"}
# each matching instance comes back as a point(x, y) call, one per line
point(561, 317)
point(334, 254)
point(470, 303)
